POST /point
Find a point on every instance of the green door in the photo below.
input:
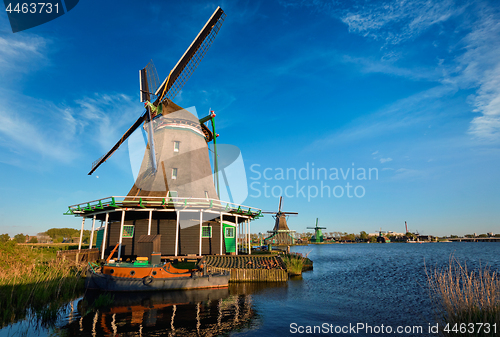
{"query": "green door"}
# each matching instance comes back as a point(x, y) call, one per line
point(229, 237)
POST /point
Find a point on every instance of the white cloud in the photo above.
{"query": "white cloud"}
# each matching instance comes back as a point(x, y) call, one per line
point(58, 132)
point(404, 173)
point(399, 20)
point(33, 130)
point(22, 52)
point(385, 160)
point(374, 153)
point(472, 63)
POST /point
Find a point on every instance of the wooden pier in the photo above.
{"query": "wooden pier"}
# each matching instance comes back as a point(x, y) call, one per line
point(79, 256)
point(244, 268)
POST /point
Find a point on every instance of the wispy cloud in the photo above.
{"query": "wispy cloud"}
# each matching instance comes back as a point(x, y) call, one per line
point(57, 132)
point(385, 160)
point(105, 117)
point(470, 63)
point(398, 21)
point(474, 62)
point(18, 52)
point(26, 127)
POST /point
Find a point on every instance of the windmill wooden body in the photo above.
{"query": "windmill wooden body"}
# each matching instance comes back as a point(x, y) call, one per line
point(175, 197)
point(318, 234)
point(281, 234)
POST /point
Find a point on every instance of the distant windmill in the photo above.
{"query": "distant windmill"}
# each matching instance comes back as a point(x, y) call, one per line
point(318, 235)
point(381, 238)
point(280, 234)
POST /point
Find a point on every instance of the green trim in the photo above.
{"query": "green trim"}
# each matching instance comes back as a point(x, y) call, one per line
point(140, 203)
point(100, 206)
point(69, 211)
point(113, 203)
point(128, 231)
point(88, 208)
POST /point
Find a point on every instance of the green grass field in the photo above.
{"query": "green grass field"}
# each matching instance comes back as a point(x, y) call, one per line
point(33, 281)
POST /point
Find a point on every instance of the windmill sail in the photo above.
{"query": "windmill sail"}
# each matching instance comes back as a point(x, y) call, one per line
point(149, 82)
point(134, 126)
point(191, 58)
point(148, 79)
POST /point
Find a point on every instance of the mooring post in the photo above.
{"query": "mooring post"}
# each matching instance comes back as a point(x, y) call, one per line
point(121, 235)
point(103, 246)
point(92, 233)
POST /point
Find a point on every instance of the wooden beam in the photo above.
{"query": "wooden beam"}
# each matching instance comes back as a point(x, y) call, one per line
point(121, 235)
point(92, 233)
point(103, 246)
point(81, 234)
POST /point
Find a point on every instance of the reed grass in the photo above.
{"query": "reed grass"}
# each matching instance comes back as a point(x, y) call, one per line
point(294, 263)
point(462, 296)
point(33, 283)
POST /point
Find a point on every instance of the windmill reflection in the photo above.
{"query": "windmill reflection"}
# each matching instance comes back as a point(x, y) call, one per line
point(205, 312)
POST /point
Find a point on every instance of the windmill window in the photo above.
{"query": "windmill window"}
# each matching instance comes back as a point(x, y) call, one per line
point(206, 195)
point(206, 232)
point(174, 173)
point(176, 146)
point(128, 231)
point(172, 194)
point(230, 232)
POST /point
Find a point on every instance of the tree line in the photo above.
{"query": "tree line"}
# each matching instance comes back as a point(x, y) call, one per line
point(58, 235)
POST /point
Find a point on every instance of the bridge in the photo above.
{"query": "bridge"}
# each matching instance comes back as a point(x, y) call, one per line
point(477, 239)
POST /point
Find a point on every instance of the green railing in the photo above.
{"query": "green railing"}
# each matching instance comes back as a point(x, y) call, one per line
point(178, 203)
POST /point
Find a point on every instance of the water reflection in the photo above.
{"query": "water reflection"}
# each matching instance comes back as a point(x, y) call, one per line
point(205, 312)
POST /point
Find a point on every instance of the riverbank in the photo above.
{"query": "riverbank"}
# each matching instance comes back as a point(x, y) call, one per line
point(33, 282)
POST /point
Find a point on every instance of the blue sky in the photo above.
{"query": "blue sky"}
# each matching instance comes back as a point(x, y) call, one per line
point(409, 89)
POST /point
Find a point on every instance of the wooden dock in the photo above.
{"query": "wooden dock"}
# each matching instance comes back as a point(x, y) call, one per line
point(79, 256)
point(245, 268)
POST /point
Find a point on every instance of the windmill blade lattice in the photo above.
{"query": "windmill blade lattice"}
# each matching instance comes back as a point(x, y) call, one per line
point(191, 58)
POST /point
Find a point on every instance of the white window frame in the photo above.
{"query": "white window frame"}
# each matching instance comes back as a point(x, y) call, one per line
point(233, 229)
point(174, 173)
point(176, 145)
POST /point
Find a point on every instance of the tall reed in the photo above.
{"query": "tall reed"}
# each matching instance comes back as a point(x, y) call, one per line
point(33, 283)
point(463, 296)
point(294, 263)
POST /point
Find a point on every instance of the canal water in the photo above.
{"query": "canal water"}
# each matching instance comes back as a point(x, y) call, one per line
point(354, 290)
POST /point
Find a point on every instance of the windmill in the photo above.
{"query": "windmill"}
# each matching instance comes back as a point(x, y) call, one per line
point(175, 201)
point(381, 238)
point(318, 235)
point(281, 234)
point(165, 169)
